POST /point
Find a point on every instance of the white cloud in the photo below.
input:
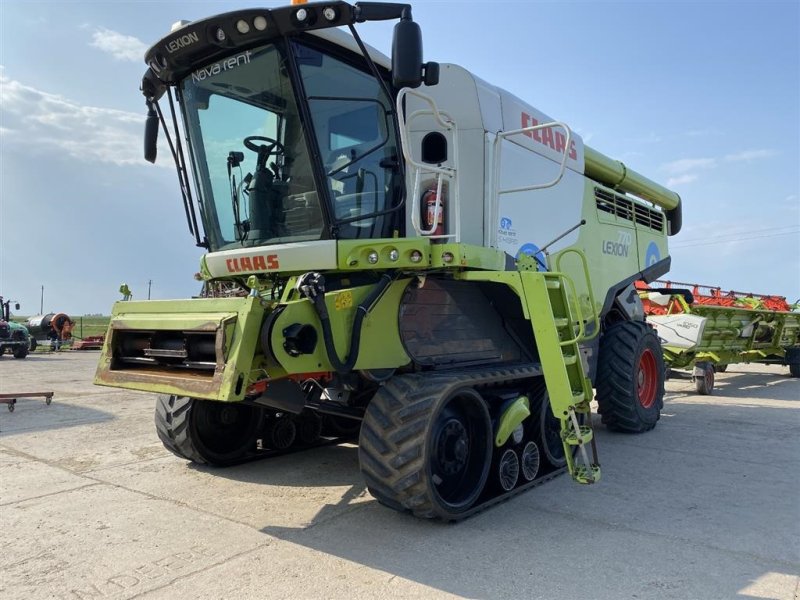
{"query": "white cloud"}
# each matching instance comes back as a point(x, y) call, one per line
point(749, 155)
point(685, 165)
point(34, 120)
point(119, 45)
point(681, 179)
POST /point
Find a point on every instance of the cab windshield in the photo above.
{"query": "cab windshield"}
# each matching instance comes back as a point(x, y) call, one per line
point(256, 179)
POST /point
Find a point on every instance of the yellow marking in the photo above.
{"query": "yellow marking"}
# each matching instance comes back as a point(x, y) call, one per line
point(344, 300)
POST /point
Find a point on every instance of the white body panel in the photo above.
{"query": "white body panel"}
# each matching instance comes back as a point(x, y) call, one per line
point(679, 331)
point(479, 111)
point(296, 256)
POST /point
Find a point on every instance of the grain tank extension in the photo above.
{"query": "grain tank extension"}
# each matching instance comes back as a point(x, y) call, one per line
point(404, 252)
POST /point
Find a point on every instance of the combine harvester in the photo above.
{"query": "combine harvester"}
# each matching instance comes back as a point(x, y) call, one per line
point(705, 328)
point(399, 247)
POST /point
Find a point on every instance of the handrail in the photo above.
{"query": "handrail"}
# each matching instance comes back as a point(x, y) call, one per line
point(595, 316)
point(501, 135)
point(445, 121)
point(496, 152)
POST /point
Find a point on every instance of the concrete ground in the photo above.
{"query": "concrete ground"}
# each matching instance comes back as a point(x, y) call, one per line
point(91, 506)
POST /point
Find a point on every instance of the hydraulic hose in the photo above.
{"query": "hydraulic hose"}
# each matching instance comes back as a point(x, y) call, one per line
point(313, 286)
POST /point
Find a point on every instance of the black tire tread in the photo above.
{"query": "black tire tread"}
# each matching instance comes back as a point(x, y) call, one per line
point(616, 372)
point(172, 425)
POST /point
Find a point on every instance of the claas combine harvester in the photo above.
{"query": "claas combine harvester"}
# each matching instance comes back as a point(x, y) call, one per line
point(705, 328)
point(408, 254)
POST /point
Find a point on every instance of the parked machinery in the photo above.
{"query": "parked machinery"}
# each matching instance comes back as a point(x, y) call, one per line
point(706, 328)
point(396, 243)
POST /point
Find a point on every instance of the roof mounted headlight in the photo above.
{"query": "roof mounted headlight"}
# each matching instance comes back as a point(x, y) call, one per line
point(219, 34)
point(330, 13)
point(260, 23)
point(242, 26)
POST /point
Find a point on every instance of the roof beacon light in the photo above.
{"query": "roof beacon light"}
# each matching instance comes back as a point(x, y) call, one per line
point(260, 23)
point(299, 1)
point(242, 26)
point(329, 13)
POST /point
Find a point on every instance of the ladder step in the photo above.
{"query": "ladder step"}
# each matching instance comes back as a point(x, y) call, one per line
point(570, 359)
point(586, 436)
point(586, 475)
point(553, 284)
point(578, 398)
point(561, 322)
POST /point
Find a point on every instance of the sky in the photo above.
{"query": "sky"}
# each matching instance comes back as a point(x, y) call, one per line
point(703, 97)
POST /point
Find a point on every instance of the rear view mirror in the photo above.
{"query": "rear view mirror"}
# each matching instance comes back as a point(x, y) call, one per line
point(407, 54)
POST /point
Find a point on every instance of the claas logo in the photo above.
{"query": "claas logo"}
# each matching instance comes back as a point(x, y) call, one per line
point(253, 263)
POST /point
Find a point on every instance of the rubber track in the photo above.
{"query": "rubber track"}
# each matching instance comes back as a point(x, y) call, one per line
point(616, 374)
point(393, 435)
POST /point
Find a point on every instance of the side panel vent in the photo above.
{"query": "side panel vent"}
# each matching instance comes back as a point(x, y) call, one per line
point(625, 208)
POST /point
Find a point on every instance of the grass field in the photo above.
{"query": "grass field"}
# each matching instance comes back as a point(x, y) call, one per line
point(84, 326)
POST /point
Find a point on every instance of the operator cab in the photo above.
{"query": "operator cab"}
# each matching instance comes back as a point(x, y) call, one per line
point(292, 136)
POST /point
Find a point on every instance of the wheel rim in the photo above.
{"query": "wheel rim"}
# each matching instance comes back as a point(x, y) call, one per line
point(221, 431)
point(460, 450)
point(647, 379)
point(530, 461)
point(283, 433)
point(508, 470)
point(709, 375)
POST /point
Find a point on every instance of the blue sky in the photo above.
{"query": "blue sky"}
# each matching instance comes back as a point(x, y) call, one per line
point(703, 97)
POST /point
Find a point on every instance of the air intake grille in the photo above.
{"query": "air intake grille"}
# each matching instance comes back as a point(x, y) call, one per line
point(624, 208)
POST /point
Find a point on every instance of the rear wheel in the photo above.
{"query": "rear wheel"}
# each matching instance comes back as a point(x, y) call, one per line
point(207, 432)
point(424, 451)
point(704, 378)
point(793, 360)
point(630, 378)
point(720, 368)
point(21, 352)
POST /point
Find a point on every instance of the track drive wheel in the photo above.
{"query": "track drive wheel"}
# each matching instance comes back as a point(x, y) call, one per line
point(205, 431)
point(704, 378)
point(630, 377)
point(426, 451)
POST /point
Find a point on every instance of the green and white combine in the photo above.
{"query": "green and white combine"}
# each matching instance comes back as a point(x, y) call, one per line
point(396, 250)
point(704, 328)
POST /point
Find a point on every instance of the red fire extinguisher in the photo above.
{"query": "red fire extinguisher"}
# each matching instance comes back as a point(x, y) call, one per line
point(429, 211)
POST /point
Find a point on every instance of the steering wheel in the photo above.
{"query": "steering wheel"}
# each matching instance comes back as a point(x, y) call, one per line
point(271, 147)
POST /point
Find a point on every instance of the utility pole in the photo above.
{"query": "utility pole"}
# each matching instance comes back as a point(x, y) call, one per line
point(41, 303)
point(149, 283)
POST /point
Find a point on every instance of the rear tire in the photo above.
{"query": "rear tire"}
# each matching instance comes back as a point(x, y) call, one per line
point(704, 383)
point(793, 360)
point(423, 451)
point(720, 368)
point(205, 431)
point(630, 378)
point(21, 352)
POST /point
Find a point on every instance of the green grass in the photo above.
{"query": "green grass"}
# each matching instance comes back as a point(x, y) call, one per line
point(94, 325)
point(84, 326)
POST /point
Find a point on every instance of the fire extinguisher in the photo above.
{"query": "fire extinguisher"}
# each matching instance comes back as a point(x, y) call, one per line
point(429, 211)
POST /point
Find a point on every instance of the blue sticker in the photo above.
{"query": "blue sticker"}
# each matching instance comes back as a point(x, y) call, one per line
point(533, 250)
point(505, 223)
point(652, 256)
